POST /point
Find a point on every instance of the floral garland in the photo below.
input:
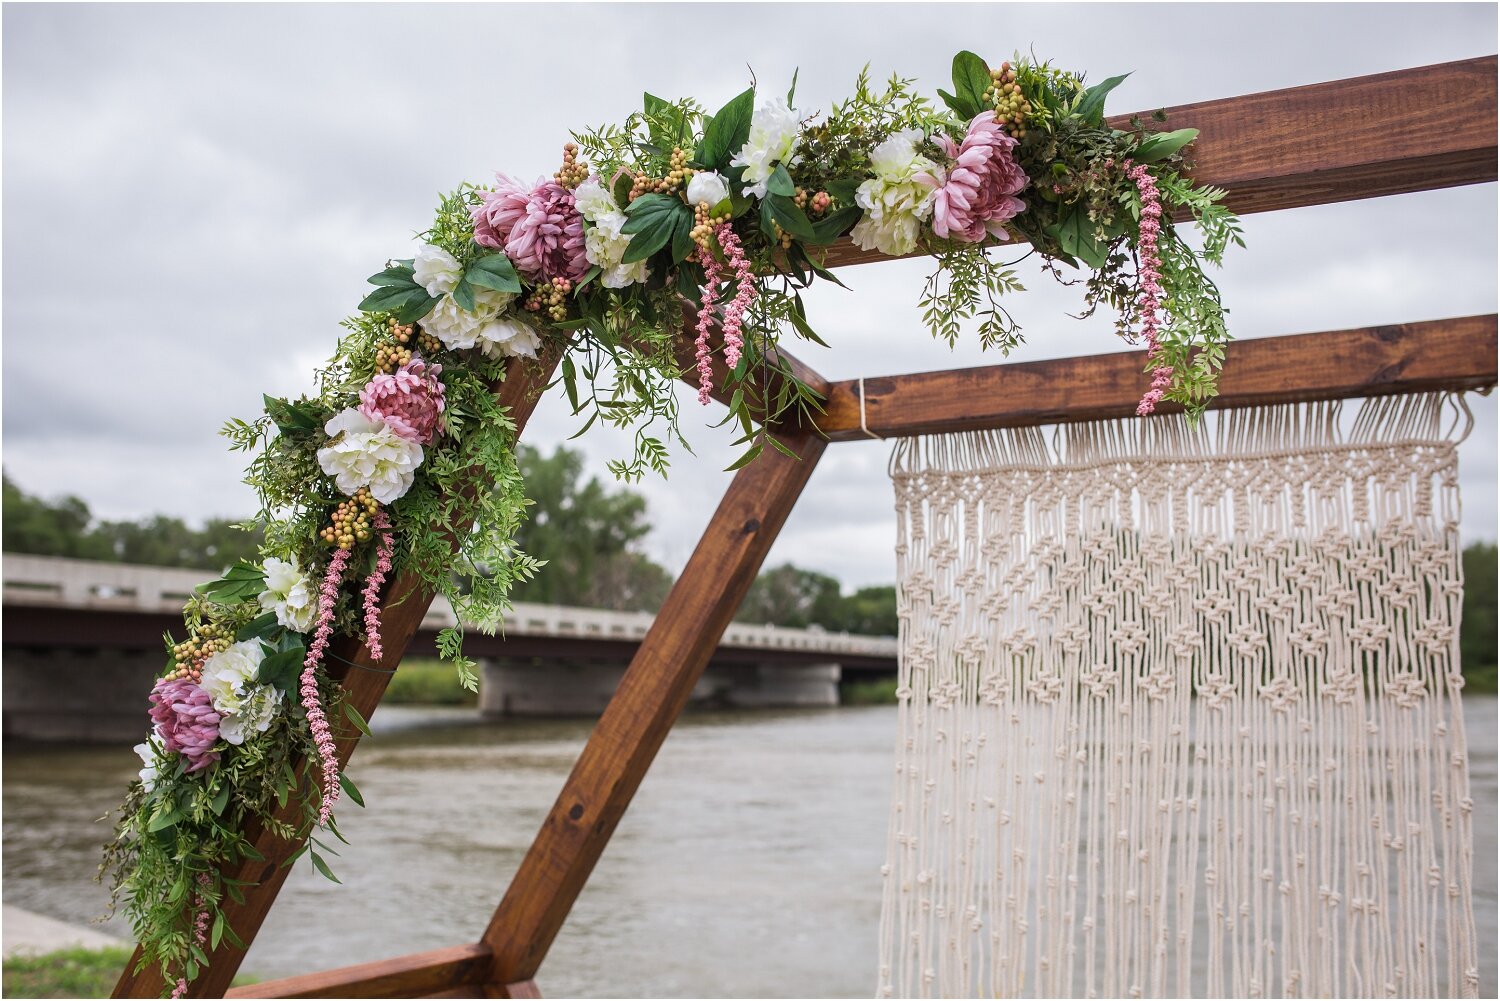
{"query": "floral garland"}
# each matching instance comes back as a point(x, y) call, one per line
point(724, 216)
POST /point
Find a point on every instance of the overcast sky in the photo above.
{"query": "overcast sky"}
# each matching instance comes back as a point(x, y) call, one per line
point(194, 195)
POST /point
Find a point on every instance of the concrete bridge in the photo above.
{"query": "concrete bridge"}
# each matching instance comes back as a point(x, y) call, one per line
point(83, 639)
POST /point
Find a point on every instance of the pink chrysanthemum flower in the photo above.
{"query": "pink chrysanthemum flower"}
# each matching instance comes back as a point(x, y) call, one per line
point(540, 230)
point(410, 401)
point(976, 197)
point(186, 721)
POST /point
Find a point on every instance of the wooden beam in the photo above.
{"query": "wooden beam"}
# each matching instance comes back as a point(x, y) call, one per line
point(421, 974)
point(1369, 361)
point(1409, 130)
point(401, 614)
point(650, 697)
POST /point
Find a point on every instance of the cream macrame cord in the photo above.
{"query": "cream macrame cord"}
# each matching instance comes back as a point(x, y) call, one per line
point(1179, 710)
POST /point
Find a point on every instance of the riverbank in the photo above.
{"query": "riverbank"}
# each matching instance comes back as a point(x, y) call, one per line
point(46, 958)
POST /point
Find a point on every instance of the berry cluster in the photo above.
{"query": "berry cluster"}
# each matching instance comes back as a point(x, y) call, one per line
point(572, 173)
point(392, 354)
point(812, 204)
point(352, 521)
point(551, 296)
point(1011, 106)
point(190, 654)
point(704, 222)
point(678, 174)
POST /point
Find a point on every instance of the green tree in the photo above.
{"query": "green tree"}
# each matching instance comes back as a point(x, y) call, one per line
point(1478, 636)
point(870, 611)
point(793, 597)
point(58, 528)
point(589, 535)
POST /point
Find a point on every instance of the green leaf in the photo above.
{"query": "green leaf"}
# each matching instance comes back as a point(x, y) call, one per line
point(398, 275)
point(780, 182)
point(263, 625)
point(164, 820)
point(957, 106)
point(322, 867)
point(1163, 144)
point(283, 668)
point(570, 377)
point(844, 189)
point(293, 418)
point(651, 222)
point(727, 132)
point(791, 92)
point(220, 800)
point(218, 933)
point(682, 238)
point(970, 77)
point(389, 298)
point(664, 120)
point(356, 719)
point(1091, 105)
point(621, 189)
point(350, 789)
point(835, 224)
point(494, 272)
point(418, 306)
point(790, 218)
point(241, 582)
point(751, 454)
point(463, 294)
point(1076, 235)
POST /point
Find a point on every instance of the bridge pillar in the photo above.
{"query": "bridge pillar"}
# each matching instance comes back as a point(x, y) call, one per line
point(546, 687)
point(781, 686)
point(71, 695)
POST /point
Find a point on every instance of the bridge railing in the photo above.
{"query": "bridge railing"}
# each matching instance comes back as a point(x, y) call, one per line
point(56, 581)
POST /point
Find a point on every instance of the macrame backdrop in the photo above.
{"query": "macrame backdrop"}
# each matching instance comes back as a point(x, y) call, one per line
point(1179, 710)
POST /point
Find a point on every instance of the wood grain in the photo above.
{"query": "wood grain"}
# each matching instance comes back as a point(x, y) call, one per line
point(421, 974)
point(650, 697)
point(402, 610)
point(1457, 353)
point(1386, 134)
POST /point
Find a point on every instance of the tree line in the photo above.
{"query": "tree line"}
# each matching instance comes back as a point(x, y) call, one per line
point(591, 534)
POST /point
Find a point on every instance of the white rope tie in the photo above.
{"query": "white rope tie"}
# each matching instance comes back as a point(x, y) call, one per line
point(862, 425)
point(1179, 709)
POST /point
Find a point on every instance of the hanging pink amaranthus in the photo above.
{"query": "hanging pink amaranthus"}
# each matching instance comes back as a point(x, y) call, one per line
point(734, 310)
point(1151, 290)
point(316, 719)
point(711, 272)
point(372, 585)
point(200, 928)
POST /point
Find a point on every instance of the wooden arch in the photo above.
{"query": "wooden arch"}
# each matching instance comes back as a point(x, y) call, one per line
point(1311, 145)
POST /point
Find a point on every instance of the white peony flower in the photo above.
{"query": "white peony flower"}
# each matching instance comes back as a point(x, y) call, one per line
point(228, 673)
point(289, 594)
point(707, 187)
point(604, 244)
point(458, 328)
point(255, 712)
point(506, 337)
point(148, 762)
point(366, 453)
point(594, 200)
point(773, 133)
point(895, 203)
point(436, 270)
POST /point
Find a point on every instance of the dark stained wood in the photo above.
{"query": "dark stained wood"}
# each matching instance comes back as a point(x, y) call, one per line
point(401, 613)
point(1370, 361)
point(650, 697)
point(422, 974)
point(1386, 134)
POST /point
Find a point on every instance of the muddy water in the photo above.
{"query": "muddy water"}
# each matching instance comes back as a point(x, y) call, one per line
point(748, 865)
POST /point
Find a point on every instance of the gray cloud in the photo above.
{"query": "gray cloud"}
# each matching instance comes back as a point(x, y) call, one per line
point(194, 195)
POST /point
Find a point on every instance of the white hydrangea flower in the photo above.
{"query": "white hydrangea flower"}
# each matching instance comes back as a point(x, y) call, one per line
point(707, 187)
point(255, 713)
point(506, 337)
point(436, 270)
point(366, 453)
point(895, 203)
point(604, 244)
point(773, 133)
point(289, 594)
point(148, 764)
point(228, 673)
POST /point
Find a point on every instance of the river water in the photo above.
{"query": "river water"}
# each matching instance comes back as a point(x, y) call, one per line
point(748, 865)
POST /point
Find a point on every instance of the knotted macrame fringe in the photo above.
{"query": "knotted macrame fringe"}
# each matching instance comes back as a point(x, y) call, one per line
point(1179, 709)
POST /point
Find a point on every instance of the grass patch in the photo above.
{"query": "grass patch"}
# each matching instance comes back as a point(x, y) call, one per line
point(420, 682)
point(70, 973)
point(875, 692)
